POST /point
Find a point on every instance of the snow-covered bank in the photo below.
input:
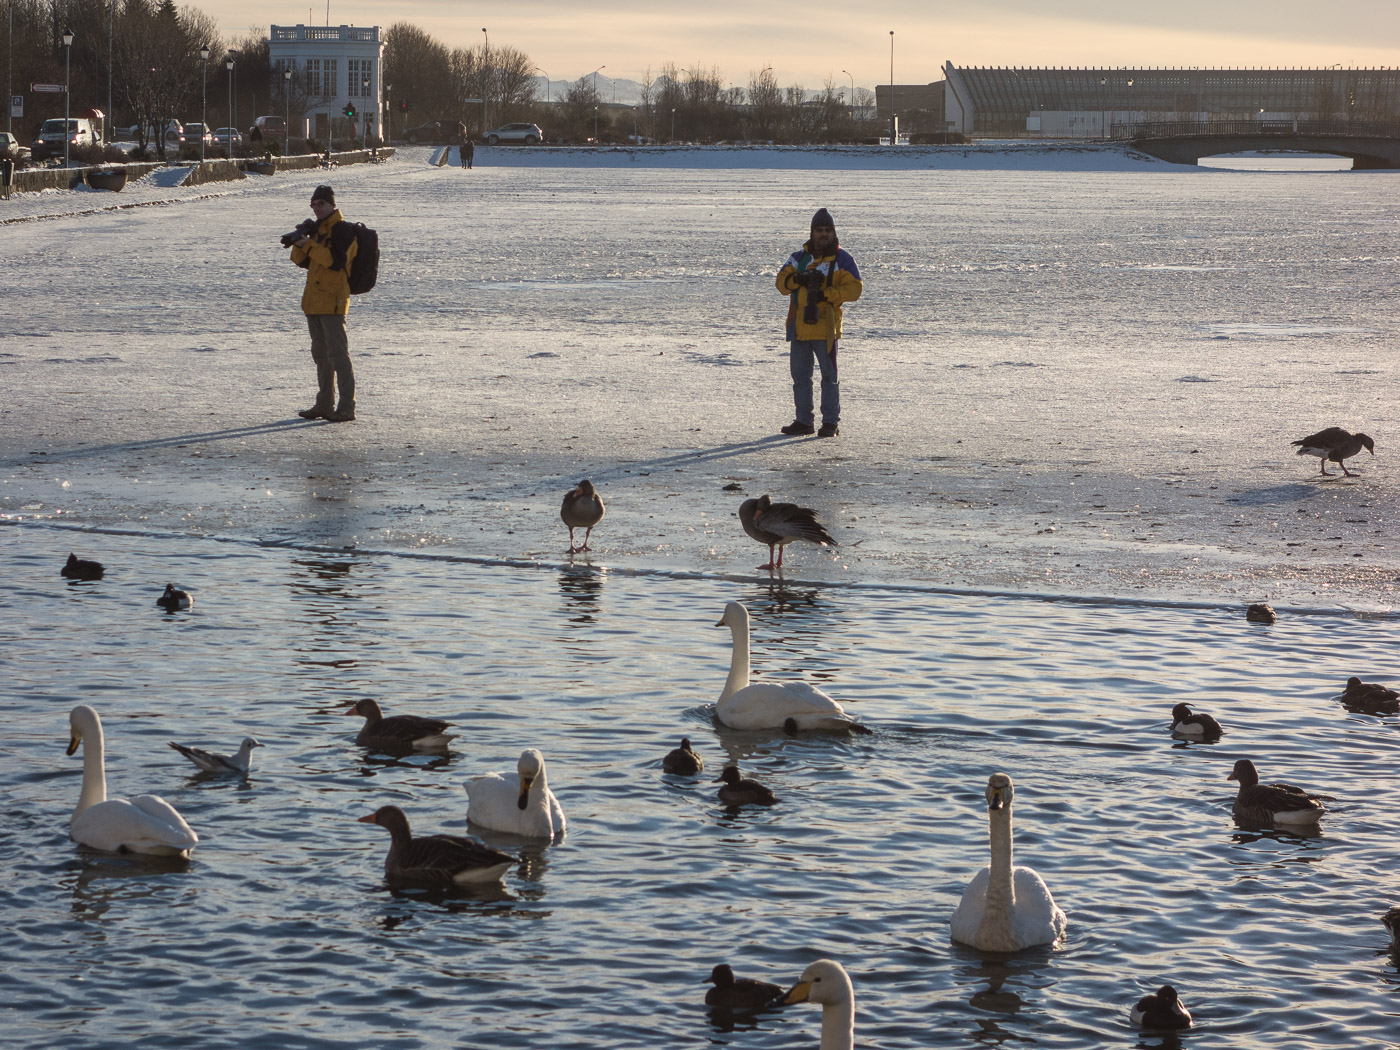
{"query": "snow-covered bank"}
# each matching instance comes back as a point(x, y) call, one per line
point(1057, 382)
point(982, 156)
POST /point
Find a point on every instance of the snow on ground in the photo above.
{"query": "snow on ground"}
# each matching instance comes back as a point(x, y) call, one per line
point(1068, 375)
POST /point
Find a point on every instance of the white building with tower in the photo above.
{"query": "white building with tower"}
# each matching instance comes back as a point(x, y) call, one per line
point(332, 67)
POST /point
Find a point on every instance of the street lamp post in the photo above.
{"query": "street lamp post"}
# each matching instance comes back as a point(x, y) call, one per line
point(595, 101)
point(111, 33)
point(485, 76)
point(287, 102)
point(67, 90)
point(853, 93)
point(228, 137)
point(542, 73)
point(673, 123)
point(364, 93)
point(894, 118)
point(203, 99)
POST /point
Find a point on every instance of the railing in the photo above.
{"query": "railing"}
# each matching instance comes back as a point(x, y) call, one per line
point(358, 34)
point(1180, 129)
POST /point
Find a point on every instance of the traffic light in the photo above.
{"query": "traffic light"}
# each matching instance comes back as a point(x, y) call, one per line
point(403, 107)
point(350, 110)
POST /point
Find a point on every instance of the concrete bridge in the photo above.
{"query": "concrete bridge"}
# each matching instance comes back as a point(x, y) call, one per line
point(1369, 145)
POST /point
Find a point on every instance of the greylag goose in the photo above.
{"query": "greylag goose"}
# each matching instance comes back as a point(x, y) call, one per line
point(771, 705)
point(582, 509)
point(211, 763)
point(173, 600)
point(76, 568)
point(683, 761)
point(1370, 696)
point(740, 994)
point(1161, 1010)
point(778, 524)
point(144, 824)
point(1189, 723)
point(826, 982)
point(1259, 803)
point(1334, 444)
point(1005, 908)
point(435, 860)
point(398, 732)
point(740, 791)
point(518, 803)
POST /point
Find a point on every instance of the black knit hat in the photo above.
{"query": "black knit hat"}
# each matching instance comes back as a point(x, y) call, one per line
point(823, 218)
point(324, 193)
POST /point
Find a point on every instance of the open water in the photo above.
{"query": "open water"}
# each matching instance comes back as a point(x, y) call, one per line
point(281, 932)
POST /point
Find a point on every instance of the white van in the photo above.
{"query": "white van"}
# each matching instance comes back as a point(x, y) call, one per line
point(79, 131)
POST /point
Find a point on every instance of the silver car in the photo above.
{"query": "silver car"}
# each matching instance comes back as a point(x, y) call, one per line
point(529, 134)
point(10, 147)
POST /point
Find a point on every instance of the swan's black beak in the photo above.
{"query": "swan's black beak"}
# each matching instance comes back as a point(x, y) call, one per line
point(73, 743)
point(995, 800)
point(524, 799)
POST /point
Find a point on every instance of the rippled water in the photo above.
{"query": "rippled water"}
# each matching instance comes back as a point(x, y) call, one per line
point(281, 932)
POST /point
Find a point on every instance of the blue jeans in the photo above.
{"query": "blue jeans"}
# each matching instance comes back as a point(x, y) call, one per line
point(802, 354)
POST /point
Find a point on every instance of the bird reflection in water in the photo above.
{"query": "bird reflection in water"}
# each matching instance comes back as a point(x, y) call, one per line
point(104, 880)
point(581, 586)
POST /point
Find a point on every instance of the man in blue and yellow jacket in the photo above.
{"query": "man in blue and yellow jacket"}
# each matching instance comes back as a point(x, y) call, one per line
point(817, 279)
point(326, 253)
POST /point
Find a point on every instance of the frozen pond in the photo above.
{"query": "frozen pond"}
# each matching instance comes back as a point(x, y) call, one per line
point(281, 932)
point(1081, 377)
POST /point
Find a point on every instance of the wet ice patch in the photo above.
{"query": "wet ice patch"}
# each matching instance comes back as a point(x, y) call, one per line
point(1231, 330)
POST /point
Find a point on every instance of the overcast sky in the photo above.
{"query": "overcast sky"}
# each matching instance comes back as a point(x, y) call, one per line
point(806, 43)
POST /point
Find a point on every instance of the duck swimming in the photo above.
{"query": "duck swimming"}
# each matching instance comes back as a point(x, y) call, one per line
point(1271, 803)
point(435, 860)
point(1187, 723)
point(1161, 1010)
point(739, 791)
point(398, 733)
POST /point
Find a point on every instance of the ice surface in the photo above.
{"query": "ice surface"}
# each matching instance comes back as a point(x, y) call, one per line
point(1073, 371)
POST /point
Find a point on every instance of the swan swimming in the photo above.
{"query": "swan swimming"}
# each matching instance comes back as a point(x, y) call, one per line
point(770, 705)
point(1005, 909)
point(826, 982)
point(518, 803)
point(144, 824)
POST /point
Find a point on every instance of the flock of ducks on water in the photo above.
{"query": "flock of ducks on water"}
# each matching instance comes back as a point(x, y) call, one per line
point(1004, 908)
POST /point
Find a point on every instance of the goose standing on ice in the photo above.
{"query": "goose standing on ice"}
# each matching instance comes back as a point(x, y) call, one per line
point(582, 509)
point(144, 824)
point(778, 524)
point(1185, 722)
point(826, 983)
point(518, 803)
point(435, 860)
point(212, 763)
point(1259, 803)
point(1004, 908)
point(1161, 1010)
point(173, 600)
point(398, 733)
point(1334, 444)
point(770, 705)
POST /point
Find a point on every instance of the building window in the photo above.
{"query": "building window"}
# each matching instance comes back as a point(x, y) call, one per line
point(313, 78)
point(328, 78)
point(360, 79)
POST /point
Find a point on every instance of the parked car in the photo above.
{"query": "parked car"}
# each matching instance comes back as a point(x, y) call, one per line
point(79, 131)
point(228, 136)
point(528, 134)
point(173, 131)
point(268, 128)
point(10, 147)
point(429, 132)
point(196, 132)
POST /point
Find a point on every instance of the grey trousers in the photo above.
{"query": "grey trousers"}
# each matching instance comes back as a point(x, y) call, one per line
point(330, 349)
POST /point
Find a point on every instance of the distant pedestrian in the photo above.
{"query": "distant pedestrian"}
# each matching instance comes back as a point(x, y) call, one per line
point(465, 148)
point(817, 279)
point(326, 251)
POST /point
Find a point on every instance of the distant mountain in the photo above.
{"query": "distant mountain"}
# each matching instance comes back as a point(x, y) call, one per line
point(620, 90)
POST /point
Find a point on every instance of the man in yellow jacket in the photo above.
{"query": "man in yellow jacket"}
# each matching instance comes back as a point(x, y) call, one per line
point(817, 279)
point(326, 254)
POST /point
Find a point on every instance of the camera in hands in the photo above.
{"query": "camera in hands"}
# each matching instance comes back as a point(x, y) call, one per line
point(814, 281)
point(305, 228)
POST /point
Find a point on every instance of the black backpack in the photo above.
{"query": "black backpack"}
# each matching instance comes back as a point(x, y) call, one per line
point(364, 269)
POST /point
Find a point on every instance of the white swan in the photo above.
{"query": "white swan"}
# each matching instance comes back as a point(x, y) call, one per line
point(826, 982)
point(519, 803)
point(1005, 909)
point(144, 824)
point(769, 705)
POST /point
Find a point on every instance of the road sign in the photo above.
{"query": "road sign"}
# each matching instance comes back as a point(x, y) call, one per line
point(16, 105)
point(51, 88)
